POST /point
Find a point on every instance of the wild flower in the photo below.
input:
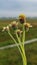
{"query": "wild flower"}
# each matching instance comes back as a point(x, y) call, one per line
point(22, 18)
point(27, 26)
point(21, 40)
point(14, 24)
point(18, 34)
point(19, 31)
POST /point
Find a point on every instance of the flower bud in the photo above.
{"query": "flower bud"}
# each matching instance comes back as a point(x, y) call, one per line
point(14, 24)
point(27, 25)
point(22, 18)
point(19, 31)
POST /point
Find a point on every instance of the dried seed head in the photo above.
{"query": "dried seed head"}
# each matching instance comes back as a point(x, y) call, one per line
point(22, 18)
point(27, 25)
point(19, 31)
point(13, 24)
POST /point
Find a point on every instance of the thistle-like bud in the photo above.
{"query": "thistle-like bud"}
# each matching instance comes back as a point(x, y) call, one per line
point(22, 18)
point(27, 25)
point(14, 24)
point(19, 31)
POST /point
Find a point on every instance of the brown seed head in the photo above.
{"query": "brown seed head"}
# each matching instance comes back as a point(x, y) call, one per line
point(27, 25)
point(13, 24)
point(19, 31)
point(22, 18)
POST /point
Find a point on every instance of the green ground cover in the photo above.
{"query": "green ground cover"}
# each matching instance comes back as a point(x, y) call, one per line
point(12, 56)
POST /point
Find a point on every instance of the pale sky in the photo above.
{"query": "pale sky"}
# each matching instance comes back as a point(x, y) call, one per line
point(12, 8)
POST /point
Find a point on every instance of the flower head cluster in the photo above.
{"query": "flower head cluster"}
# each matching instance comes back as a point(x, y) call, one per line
point(14, 24)
point(20, 33)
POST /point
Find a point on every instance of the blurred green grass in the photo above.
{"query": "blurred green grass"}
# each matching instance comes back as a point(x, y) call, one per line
point(12, 56)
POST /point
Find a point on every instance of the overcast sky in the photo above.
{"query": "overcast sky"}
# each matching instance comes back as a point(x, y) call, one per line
point(12, 8)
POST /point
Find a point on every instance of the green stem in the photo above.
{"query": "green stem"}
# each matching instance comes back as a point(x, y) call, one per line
point(23, 38)
point(23, 52)
point(14, 40)
point(24, 57)
point(21, 46)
